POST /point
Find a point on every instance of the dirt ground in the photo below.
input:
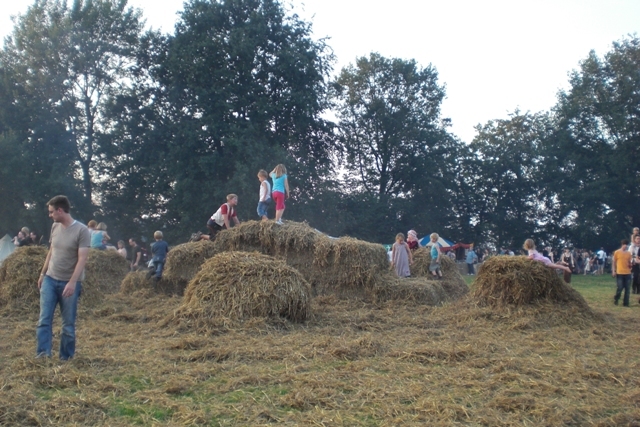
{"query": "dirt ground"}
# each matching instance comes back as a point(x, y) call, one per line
point(350, 364)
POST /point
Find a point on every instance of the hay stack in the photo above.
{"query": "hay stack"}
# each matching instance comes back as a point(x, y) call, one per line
point(344, 267)
point(135, 281)
point(184, 262)
point(19, 276)
point(241, 285)
point(20, 272)
point(419, 290)
point(422, 259)
point(518, 281)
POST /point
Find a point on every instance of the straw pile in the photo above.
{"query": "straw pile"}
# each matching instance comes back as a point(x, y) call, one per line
point(20, 272)
point(19, 276)
point(420, 290)
point(422, 259)
point(518, 281)
point(184, 261)
point(345, 267)
point(104, 272)
point(135, 281)
point(242, 285)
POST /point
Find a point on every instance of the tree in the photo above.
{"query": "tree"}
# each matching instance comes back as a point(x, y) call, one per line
point(395, 148)
point(514, 201)
point(69, 63)
point(595, 153)
point(239, 87)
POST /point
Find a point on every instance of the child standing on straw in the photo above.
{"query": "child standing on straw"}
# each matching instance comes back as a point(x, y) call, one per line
point(530, 247)
point(265, 194)
point(434, 266)
point(401, 257)
point(159, 251)
point(280, 185)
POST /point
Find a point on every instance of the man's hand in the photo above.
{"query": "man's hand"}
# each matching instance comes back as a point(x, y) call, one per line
point(40, 280)
point(69, 289)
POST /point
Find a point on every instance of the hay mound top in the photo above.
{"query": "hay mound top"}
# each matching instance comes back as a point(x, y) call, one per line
point(345, 267)
point(19, 276)
point(184, 261)
point(242, 285)
point(420, 290)
point(519, 281)
point(20, 272)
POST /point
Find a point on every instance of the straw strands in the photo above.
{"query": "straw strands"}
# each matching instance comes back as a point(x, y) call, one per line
point(184, 261)
point(19, 276)
point(20, 272)
point(345, 267)
point(517, 281)
point(242, 285)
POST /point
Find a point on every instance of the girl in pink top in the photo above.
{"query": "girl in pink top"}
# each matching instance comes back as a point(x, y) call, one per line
point(530, 247)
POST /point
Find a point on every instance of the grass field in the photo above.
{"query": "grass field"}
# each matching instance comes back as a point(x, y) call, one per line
point(351, 364)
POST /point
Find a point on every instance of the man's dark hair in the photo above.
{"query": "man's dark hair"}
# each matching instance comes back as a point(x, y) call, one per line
point(624, 242)
point(132, 240)
point(59, 202)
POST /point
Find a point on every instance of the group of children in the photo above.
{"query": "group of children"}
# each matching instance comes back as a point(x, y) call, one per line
point(402, 256)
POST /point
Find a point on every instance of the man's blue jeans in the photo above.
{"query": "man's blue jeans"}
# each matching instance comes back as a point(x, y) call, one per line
point(50, 297)
point(624, 282)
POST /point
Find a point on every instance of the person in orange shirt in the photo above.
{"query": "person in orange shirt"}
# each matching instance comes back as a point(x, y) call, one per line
point(621, 270)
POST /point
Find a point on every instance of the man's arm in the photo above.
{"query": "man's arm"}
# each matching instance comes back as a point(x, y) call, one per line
point(138, 255)
point(225, 218)
point(70, 288)
point(45, 267)
point(613, 266)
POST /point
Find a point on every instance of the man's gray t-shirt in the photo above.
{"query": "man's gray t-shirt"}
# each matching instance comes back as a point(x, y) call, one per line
point(65, 243)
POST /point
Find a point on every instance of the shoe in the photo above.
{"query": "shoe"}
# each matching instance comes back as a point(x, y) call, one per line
point(279, 222)
point(43, 356)
point(193, 237)
point(615, 301)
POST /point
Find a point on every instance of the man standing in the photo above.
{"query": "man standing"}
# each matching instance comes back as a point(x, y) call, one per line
point(61, 277)
point(471, 259)
point(136, 255)
point(621, 270)
point(634, 250)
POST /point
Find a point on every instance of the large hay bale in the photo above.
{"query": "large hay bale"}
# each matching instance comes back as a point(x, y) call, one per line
point(19, 276)
point(518, 281)
point(419, 290)
point(345, 267)
point(184, 262)
point(104, 271)
point(135, 281)
point(20, 272)
point(242, 285)
point(422, 259)
point(141, 281)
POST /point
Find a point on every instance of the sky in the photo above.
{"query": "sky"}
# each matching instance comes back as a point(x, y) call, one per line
point(493, 56)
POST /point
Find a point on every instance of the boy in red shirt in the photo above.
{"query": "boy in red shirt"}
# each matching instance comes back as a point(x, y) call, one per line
point(621, 270)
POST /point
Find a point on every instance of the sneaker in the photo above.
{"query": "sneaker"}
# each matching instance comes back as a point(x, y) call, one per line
point(43, 356)
point(280, 222)
point(615, 301)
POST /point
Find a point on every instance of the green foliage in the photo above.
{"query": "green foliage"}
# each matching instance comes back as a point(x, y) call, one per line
point(596, 151)
point(395, 149)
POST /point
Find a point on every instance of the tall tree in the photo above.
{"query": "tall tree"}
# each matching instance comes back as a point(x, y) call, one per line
point(69, 63)
point(514, 199)
point(596, 151)
point(395, 146)
point(240, 86)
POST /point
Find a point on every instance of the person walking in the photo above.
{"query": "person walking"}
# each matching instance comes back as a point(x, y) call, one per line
point(634, 250)
point(159, 250)
point(621, 270)
point(60, 281)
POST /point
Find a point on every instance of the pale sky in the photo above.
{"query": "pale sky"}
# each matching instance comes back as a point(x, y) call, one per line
point(494, 56)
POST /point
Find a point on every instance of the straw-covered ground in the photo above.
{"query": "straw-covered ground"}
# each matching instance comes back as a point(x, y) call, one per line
point(350, 363)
